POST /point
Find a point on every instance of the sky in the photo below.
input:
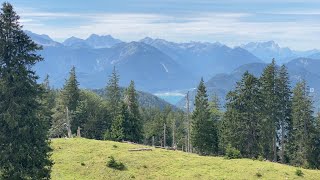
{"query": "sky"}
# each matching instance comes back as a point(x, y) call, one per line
point(291, 23)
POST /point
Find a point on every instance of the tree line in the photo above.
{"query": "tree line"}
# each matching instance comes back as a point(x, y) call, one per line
point(264, 118)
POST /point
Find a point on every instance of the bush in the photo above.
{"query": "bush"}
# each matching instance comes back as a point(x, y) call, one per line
point(83, 164)
point(115, 146)
point(260, 158)
point(258, 174)
point(299, 172)
point(112, 163)
point(232, 153)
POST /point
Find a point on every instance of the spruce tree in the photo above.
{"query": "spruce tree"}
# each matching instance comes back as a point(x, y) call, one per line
point(24, 144)
point(241, 126)
point(270, 110)
point(116, 108)
point(203, 131)
point(314, 155)
point(133, 124)
point(47, 101)
point(114, 94)
point(70, 98)
point(302, 126)
point(284, 93)
point(71, 91)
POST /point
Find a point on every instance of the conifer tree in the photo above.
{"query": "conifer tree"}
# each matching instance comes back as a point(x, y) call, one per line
point(270, 110)
point(203, 133)
point(116, 108)
point(133, 125)
point(241, 126)
point(314, 155)
point(71, 91)
point(24, 144)
point(284, 93)
point(70, 98)
point(114, 94)
point(302, 126)
point(47, 101)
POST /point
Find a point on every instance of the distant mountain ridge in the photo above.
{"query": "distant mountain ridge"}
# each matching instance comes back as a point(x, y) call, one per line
point(157, 65)
point(298, 69)
point(203, 58)
point(268, 50)
point(93, 41)
point(154, 64)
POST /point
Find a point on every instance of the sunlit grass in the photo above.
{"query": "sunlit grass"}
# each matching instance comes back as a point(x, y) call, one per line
point(87, 159)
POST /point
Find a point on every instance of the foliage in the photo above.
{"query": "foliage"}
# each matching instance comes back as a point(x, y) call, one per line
point(232, 153)
point(299, 172)
point(112, 163)
point(24, 144)
point(242, 126)
point(204, 135)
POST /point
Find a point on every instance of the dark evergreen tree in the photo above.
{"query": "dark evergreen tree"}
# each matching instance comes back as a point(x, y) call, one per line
point(203, 131)
point(59, 118)
point(113, 94)
point(71, 91)
point(270, 110)
point(70, 98)
point(216, 115)
point(284, 94)
point(314, 155)
point(133, 124)
point(116, 108)
point(241, 126)
point(302, 126)
point(24, 144)
point(92, 115)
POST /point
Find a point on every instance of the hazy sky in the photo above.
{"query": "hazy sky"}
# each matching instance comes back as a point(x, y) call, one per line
point(293, 23)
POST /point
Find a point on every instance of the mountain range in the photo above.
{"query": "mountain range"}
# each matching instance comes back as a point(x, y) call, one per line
point(298, 69)
point(266, 51)
point(158, 65)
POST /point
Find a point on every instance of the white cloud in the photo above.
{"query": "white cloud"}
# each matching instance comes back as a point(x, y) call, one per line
point(229, 28)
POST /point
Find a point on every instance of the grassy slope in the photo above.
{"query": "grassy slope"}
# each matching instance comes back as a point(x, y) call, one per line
point(157, 164)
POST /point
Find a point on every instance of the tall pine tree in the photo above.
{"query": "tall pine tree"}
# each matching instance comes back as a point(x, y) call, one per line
point(284, 93)
point(203, 130)
point(116, 108)
point(71, 91)
point(302, 126)
point(270, 110)
point(70, 98)
point(133, 124)
point(241, 126)
point(24, 144)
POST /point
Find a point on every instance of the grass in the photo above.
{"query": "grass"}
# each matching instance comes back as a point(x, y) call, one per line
point(86, 159)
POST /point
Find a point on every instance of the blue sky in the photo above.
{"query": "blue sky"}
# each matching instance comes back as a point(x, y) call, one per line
point(292, 23)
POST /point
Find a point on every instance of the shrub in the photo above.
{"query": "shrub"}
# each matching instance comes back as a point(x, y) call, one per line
point(115, 146)
point(83, 164)
point(299, 172)
point(232, 153)
point(258, 174)
point(260, 158)
point(112, 163)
